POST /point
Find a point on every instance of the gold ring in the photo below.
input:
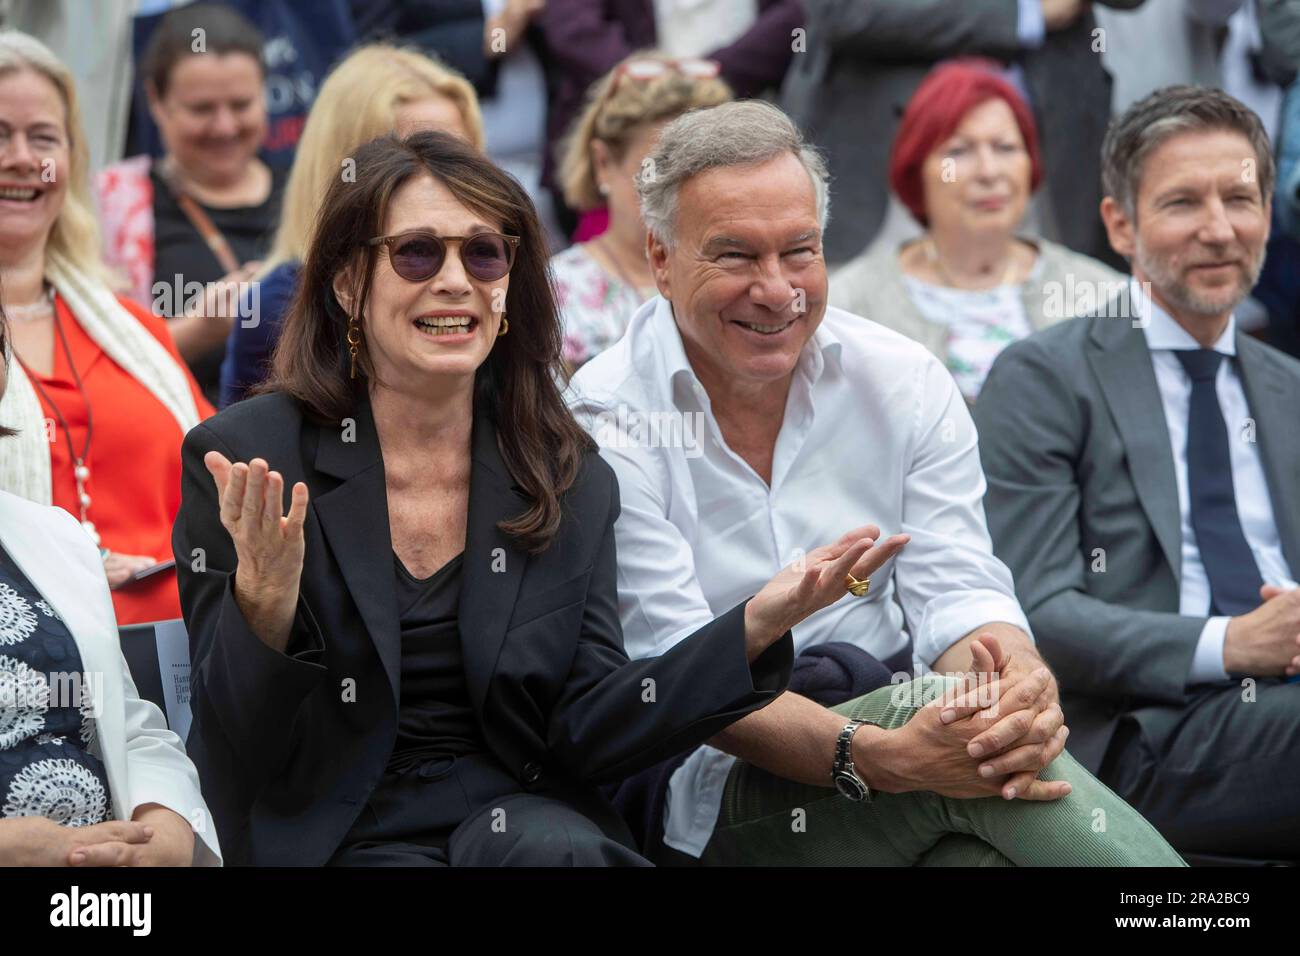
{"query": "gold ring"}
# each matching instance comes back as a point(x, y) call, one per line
point(855, 587)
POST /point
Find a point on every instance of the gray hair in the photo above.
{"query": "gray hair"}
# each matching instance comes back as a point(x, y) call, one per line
point(743, 133)
point(1166, 113)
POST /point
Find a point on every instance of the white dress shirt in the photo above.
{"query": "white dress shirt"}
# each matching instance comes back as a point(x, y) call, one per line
point(875, 432)
point(1254, 507)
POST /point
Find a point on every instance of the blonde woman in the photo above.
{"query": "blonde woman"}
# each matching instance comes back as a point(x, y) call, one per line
point(97, 392)
point(378, 89)
point(600, 283)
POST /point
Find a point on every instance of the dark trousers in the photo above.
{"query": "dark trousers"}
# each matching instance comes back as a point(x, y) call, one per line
point(1226, 778)
point(469, 811)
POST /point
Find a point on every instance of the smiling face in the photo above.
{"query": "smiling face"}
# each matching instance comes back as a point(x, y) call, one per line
point(978, 180)
point(1200, 225)
point(213, 116)
point(34, 154)
point(443, 327)
point(745, 274)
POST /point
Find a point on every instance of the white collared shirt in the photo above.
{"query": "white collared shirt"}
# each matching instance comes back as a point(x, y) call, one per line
point(875, 432)
point(1254, 507)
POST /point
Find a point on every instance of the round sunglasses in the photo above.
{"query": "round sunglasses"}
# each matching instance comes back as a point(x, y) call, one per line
point(419, 256)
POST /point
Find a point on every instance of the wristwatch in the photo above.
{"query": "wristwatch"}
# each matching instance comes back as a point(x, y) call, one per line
point(845, 778)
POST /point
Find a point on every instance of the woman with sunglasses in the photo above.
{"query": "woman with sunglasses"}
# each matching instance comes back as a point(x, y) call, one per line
point(378, 88)
point(599, 283)
point(421, 663)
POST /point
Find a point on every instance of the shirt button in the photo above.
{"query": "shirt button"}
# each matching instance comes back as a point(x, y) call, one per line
point(532, 771)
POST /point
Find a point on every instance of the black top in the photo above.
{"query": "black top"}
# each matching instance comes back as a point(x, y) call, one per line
point(180, 250)
point(435, 717)
point(47, 713)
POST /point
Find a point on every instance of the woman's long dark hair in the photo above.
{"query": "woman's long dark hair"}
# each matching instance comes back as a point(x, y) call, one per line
point(540, 441)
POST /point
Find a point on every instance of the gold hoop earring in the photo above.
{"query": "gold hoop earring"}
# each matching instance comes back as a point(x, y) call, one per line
point(354, 340)
point(505, 326)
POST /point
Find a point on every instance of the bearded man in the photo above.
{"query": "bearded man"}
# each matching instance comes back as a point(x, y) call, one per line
point(1144, 488)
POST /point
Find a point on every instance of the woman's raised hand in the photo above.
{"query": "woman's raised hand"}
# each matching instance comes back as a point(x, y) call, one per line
point(813, 582)
point(268, 543)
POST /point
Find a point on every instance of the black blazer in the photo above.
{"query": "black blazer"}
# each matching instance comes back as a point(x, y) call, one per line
point(290, 746)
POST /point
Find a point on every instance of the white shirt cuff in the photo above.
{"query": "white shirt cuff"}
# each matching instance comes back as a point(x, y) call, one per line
point(1207, 662)
point(948, 621)
point(1030, 29)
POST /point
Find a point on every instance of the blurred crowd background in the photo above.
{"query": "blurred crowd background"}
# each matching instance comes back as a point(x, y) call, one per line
point(565, 95)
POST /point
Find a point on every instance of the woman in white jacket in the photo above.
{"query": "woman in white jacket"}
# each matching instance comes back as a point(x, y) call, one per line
point(89, 773)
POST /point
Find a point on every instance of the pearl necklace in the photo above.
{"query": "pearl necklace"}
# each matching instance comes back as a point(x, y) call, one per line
point(932, 253)
point(35, 310)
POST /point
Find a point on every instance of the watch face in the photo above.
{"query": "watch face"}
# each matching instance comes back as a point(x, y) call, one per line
point(850, 786)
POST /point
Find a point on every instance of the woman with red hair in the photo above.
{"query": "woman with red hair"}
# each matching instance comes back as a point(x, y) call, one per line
point(965, 163)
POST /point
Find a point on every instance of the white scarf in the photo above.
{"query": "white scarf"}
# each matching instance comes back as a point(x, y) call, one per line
point(25, 457)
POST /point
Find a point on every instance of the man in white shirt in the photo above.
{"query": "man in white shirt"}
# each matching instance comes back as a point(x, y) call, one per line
point(1143, 468)
point(744, 417)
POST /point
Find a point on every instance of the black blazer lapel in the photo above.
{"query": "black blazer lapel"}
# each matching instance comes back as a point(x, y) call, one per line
point(1122, 364)
point(354, 520)
point(493, 566)
point(1273, 396)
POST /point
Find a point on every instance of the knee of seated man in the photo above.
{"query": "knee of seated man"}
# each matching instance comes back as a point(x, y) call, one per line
point(1275, 712)
point(529, 830)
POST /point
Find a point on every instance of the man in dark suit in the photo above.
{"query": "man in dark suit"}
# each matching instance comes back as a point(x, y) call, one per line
point(864, 60)
point(1142, 467)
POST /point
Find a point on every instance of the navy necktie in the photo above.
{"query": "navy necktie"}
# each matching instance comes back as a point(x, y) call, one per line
point(1229, 563)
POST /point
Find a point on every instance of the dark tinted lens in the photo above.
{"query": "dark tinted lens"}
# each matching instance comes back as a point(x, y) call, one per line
point(418, 258)
point(486, 258)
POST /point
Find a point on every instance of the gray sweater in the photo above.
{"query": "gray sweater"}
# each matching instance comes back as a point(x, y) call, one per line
point(1064, 284)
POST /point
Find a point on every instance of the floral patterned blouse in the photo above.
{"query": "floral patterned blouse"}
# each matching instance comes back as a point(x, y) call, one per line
point(594, 305)
point(981, 323)
point(47, 724)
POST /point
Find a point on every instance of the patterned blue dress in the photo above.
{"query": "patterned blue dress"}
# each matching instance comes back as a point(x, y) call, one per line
point(47, 713)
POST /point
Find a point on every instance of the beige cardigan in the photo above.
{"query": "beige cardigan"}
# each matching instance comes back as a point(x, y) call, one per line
point(1066, 284)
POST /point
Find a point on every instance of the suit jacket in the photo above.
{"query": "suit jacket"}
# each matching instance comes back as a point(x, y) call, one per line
point(864, 61)
point(290, 745)
point(585, 39)
point(145, 762)
point(1191, 35)
point(1083, 507)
